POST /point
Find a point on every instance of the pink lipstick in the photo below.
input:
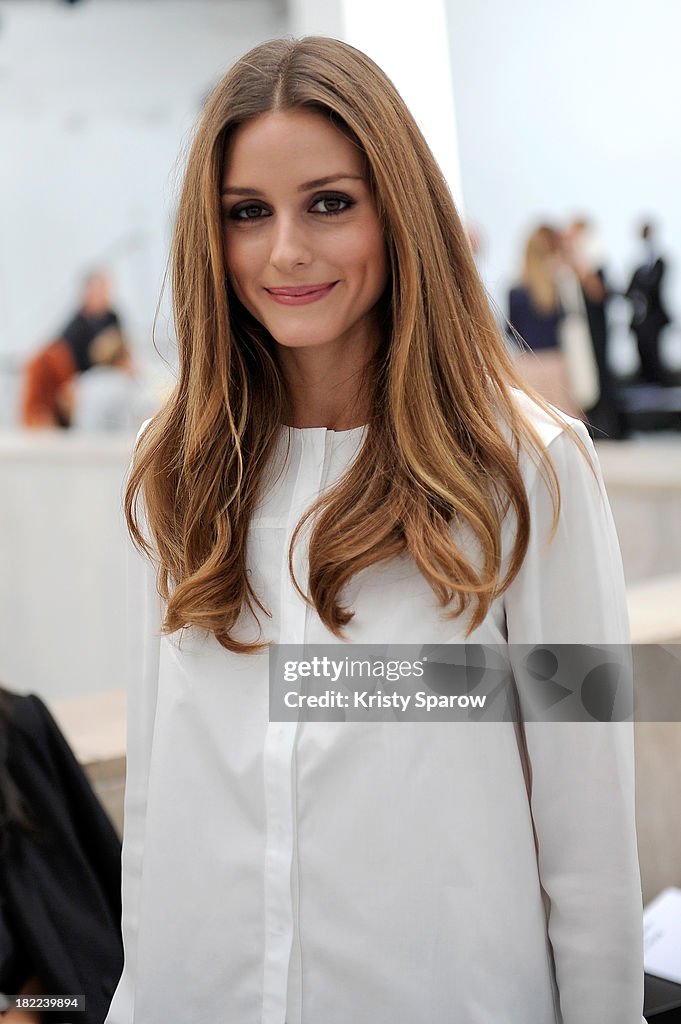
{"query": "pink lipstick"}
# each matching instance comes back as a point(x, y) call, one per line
point(300, 294)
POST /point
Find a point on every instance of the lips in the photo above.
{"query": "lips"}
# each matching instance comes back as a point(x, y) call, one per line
point(301, 289)
point(300, 294)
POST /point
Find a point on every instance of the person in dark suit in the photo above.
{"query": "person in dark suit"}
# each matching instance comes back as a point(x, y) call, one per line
point(584, 254)
point(94, 316)
point(649, 316)
point(60, 877)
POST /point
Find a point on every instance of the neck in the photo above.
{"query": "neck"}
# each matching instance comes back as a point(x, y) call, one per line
point(328, 388)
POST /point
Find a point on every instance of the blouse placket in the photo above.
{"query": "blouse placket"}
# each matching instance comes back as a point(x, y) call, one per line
point(280, 738)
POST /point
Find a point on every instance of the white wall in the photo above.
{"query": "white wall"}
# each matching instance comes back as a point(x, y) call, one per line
point(96, 106)
point(62, 563)
point(564, 108)
point(410, 44)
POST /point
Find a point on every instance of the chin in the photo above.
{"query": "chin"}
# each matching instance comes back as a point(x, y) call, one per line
point(299, 342)
point(298, 339)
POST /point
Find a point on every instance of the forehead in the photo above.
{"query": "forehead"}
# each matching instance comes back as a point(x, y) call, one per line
point(288, 144)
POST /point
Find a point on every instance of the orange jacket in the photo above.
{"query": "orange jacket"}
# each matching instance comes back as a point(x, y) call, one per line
point(46, 374)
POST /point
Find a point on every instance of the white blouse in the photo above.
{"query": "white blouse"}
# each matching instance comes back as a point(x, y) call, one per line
point(380, 872)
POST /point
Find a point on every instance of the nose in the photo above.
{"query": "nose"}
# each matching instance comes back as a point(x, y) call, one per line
point(290, 245)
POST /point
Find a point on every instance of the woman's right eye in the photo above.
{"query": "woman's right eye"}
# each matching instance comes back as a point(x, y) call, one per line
point(252, 211)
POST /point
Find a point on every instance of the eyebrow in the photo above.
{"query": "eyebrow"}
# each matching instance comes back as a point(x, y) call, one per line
point(235, 190)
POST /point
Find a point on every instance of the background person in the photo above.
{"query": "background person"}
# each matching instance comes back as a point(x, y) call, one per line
point(536, 314)
point(45, 400)
point(59, 870)
point(649, 315)
point(585, 256)
point(45, 387)
point(95, 315)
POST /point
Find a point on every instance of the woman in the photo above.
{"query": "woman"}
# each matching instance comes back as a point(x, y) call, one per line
point(537, 315)
point(338, 358)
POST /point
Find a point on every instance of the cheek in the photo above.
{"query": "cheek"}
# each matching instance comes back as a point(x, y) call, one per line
point(240, 263)
point(376, 262)
point(365, 254)
point(381, 263)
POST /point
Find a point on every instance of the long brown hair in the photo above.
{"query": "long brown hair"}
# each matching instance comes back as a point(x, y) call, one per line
point(435, 455)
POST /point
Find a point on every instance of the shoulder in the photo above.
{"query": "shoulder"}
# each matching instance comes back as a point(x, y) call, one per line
point(564, 441)
point(136, 445)
point(142, 429)
point(32, 729)
point(548, 426)
point(27, 713)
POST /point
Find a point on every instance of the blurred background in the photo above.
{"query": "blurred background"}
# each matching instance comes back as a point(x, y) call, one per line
point(555, 127)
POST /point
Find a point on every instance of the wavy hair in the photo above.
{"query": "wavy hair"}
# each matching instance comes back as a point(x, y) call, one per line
point(435, 455)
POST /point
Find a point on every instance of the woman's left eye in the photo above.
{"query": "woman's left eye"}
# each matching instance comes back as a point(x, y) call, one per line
point(333, 204)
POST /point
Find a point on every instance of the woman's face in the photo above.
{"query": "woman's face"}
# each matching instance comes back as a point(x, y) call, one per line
point(303, 244)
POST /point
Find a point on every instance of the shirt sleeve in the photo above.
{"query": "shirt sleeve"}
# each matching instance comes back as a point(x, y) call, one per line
point(144, 617)
point(581, 774)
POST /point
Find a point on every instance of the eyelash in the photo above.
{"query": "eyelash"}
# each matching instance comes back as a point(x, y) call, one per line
point(234, 214)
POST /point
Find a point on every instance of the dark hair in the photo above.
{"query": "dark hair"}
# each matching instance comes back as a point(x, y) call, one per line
point(13, 814)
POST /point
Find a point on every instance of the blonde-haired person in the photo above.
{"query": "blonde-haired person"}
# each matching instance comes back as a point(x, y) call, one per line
point(349, 458)
point(536, 315)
